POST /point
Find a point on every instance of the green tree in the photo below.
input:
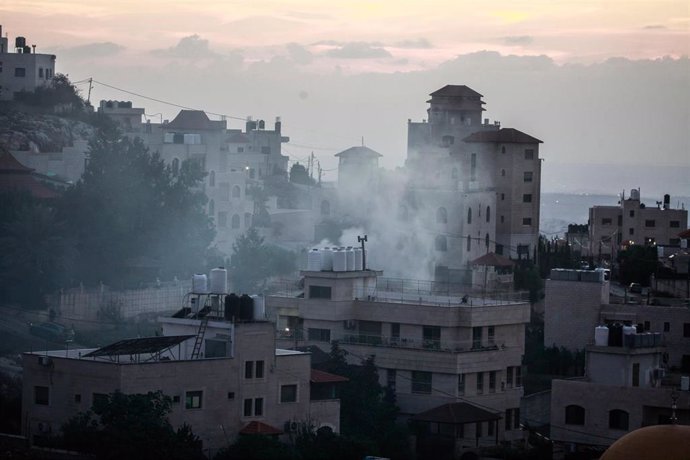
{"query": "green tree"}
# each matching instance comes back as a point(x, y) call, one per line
point(300, 175)
point(637, 263)
point(59, 93)
point(131, 210)
point(130, 426)
point(253, 262)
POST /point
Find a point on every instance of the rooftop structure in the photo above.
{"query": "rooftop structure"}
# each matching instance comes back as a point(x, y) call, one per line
point(21, 68)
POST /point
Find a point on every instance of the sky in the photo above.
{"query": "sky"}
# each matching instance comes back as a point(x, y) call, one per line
point(605, 84)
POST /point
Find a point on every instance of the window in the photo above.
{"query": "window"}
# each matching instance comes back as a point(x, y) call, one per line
point(235, 221)
point(473, 166)
point(257, 404)
point(499, 248)
point(487, 241)
point(512, 419)
point(491, 333)
point(667, 326)
point(266, 150)
point(212, 179)
point(620, 220)
point(440, 243)
point(503, 196)
point(461, 384)
point(77, 398)
point(636, 374)
point(631, 231)
point(254, 369)
point(192, 399)
point(448, 140)
point(476, 337)
point(319, 335)
point(248, 406)
point(674, 224)
point(211, 208)
point(469, 215)
point(215, 348)
point(231, 395)
point(395, 330)
point(480, 383)
point(40, 72)
point(442, 216)
point(574, 415)
point(650, 223)
point(488, 213)
point(647, 326)
point(431, 337)
point(518, 376)
point(236, 191)
point(526, 221)
point(503, 172)
point(19, 72)
point(686, 329)
point(41, 395)
point(421, 382)
point(469, 243)
point(606, 221)
point(479, 429)
point(176, 399)
point(288, 393)
point(503, 219)
point(618, 419)
point(529, 154)
point(240, 149)
point(632, 213)
point(509, 376)
point(319, 292)
point(490, 428)
point(259, 369)
point(527, 177)
point(391, 378)
point(492, 382)
point(222, 219)
point(514, 376)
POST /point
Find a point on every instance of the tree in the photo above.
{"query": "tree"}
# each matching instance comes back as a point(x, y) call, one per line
point(130, 426)
point(253, 262)
point(60, 94)
point(133, 216)
point(637, 263)
point(300, 175)
point(257, 447)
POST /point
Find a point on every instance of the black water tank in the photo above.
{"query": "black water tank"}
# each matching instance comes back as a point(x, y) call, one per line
point(232, 306)
point(616, 335)
point(246, 308)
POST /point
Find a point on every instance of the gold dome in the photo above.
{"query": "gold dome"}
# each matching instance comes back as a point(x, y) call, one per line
point(667, 442)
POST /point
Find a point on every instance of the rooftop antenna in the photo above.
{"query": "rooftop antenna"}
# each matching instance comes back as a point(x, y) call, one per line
point(364, 253)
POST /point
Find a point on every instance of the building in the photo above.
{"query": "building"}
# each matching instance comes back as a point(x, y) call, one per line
point(225, 377)
point(624, 389)
point(236, 162)
point(15, 177)
point(22, 69)
point(482, 180)
point(433, 345)
point(631, 222)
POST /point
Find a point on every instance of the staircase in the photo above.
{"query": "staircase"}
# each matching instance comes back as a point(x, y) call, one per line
point(199, 337)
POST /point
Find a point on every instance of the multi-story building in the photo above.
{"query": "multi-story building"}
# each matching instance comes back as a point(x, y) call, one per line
point(631, 222)
point(23, 69)
point(483, 180)
point(235, 161)
point(433, 347)
point(224, 376)
point(624, 389)
point(577, 301)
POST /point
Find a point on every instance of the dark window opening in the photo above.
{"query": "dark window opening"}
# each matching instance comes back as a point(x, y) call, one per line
point(618, 420)
point(574, 415)
point(288, 393)
point(421, 382)
point(192, 400)
point(41, 395)
point(319, 292)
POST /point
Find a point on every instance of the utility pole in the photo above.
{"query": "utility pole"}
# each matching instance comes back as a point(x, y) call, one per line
point(88, 98)
point(364, 253)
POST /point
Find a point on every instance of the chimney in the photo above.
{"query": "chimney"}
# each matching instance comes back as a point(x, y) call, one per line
point(279, 125)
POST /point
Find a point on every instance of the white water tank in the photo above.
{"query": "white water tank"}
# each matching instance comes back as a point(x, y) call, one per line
point(629, 330)
point(259, 307)
point(314, 260)
point(685, 383)
point(339, 260)
point(358, 259)
point(219, 280)
point(601, 336)
point(199, 284)
point(326, 259)
point(350, 259)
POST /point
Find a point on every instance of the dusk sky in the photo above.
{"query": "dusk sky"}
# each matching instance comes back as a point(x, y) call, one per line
point(599, 82)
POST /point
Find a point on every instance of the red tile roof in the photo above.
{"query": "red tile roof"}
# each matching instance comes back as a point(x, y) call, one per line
point(9, 163)
point(504, 136)
point(257, 427)
point(15, 177)
point(193, 119)
point(493, 260)
point(318, 376)
point(684, 234)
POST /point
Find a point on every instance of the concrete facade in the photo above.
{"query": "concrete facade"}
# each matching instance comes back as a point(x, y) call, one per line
point(430, 348)
point(225, 397)
point(23, 69)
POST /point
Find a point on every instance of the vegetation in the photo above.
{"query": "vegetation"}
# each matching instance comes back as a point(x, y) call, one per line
point(636, 264)
point(300, 175)
point(10, 404)
point(129, 426)
point(253, 262)
point(60, 95)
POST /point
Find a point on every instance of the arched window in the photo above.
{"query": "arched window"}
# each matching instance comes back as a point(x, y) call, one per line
point(325, 208)
point(574, 415)
point(236, 191)
point(211, 207)
point(503, 149)
point(488, 213)
point(469, 243)
point(235, 222)
point(441, 244)
point(469, 215)
point(175, 166)
point(454, 173)
point(618, 420)
point(212, 179)
point(247, 220)
point(442, 216)
point(488, 241)
point(503, 172)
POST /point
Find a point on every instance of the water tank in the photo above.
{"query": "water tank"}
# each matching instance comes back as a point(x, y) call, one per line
point(601, 336)
point(629, 333)
point(358, 259)
point(219, 280)
point(685, 383)
point(627, 330)
point(232, 306)
point(246, 308)
point(314, 260)
point(635, 194)
point(350, 259)
point(616, 335)
point(20, 42)
point(339, 260)
point(199, 284)
point(259, 308)
point(326, 259)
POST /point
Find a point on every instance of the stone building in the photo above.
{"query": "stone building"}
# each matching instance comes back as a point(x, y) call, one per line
point(23, 69)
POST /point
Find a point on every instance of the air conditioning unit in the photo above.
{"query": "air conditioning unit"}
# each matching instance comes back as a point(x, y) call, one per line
point(290, 426)
point(45, 360)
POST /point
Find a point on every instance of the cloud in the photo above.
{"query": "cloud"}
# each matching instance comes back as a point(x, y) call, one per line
point(358, 50)
point(91, 50)
point(655, 27)
point(418, 43)
point(190, 47)
point(299, 54)
point(518, 40)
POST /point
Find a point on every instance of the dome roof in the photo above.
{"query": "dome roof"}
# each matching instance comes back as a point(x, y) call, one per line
point(668, 442)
